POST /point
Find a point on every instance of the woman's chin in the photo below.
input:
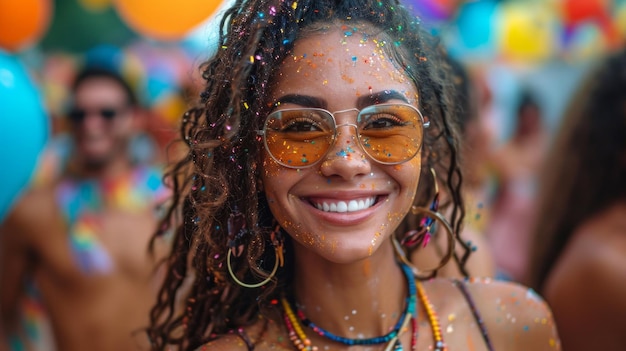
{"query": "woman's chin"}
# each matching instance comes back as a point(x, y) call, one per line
point(343, 250)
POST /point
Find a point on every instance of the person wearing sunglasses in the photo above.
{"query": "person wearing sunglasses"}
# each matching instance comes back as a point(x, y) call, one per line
point(83, 241)
point(102, 118)
point(304, 155)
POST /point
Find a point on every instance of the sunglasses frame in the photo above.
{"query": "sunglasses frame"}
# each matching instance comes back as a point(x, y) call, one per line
point(101, 112)
point(424, 123)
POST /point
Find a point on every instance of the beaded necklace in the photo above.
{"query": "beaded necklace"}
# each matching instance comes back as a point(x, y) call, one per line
point(296, 334)
point(409, 310)
point(432, 318)
point(302, 342)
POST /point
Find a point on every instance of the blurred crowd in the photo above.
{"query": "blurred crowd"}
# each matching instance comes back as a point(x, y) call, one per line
point(544, 157)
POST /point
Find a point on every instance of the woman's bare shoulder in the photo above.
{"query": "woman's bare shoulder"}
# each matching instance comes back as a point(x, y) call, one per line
point(601, 241)
point(596, 255)
point(587, 283)
point(587, 298)
point(229, 342)
point(513, 316)
point(264, 335)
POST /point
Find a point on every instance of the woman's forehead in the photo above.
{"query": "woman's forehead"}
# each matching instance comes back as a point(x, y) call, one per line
point(346, 56)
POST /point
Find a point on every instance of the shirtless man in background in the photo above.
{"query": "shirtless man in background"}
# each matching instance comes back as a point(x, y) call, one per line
point(83, 242)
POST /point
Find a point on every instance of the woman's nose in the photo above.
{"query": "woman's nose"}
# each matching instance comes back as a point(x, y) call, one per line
point(346, 158)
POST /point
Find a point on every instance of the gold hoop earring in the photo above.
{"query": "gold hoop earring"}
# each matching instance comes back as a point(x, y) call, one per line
point(423, 234)
point(446, 258)
point(280, 260)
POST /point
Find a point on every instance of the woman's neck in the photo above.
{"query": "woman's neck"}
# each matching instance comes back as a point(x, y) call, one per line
point(358, 300)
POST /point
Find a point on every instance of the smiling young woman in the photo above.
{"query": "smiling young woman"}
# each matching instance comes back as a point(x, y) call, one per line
point(317, 118)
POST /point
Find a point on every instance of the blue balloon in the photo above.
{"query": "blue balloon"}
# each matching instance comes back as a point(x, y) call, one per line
point(475, 21)
point(24, 130)
point(474, 34)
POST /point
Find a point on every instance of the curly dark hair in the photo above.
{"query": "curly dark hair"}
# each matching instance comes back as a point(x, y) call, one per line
point(219, 174)
point(586, 168)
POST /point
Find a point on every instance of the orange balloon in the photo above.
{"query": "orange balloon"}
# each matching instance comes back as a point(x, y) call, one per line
point(165, 19)
point(22, 23)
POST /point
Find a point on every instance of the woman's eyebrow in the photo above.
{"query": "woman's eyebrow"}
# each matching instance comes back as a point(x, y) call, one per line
point(380, 97)
point(302, 100)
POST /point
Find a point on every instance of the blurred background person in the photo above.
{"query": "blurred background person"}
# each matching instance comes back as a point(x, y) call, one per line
point(579, 252)
point(83, 239)
point(515, 166)
point(474, 154)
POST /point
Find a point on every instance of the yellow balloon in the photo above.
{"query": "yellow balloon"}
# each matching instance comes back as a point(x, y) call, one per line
point(165, 19)
point(527, 33)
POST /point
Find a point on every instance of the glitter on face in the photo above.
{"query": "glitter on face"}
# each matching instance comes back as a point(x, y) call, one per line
point(342, 153)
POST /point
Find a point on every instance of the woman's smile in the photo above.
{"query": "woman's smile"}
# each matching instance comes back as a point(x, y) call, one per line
point(341, 206)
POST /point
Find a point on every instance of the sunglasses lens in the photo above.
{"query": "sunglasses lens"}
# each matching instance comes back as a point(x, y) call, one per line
point(299, 137)
point(108, 113)
point(77, 115)
point(390, 133)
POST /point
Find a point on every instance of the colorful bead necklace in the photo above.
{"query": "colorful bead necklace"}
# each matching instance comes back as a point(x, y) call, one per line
point(432, 318)
point(409, 310)
point(302, 342)
point(296, 334)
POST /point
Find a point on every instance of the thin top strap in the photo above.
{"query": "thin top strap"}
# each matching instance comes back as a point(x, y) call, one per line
point(470, 301)
point(244, 336)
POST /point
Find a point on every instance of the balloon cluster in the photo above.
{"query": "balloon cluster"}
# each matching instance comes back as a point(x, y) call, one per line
point(23, 23)
point(528, 30)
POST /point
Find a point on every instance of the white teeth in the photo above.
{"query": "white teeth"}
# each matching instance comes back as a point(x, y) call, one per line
point(343, 206)
point(353, 205)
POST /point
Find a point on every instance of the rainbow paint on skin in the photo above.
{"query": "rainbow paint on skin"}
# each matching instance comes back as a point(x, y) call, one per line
point(33, 312)
point(89, 254)
point(83, 201)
